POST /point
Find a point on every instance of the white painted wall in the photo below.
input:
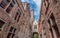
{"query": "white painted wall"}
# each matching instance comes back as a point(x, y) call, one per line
point(35, 29)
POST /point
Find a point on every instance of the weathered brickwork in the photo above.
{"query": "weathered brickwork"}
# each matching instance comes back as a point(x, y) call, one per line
point(26, 25)
point(15, 21)
point(51, 21)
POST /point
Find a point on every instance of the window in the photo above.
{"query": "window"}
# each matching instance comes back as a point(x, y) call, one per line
point(49, 22)
point(51, 32)
point(11, 32)
point(56, 29)
point(35, 26)
point(16, 15)
point(52, 18)
point(19, 15)
point(9, 8)
point(1, 24)
point(46, 3)
point(4, 3)
point(14, 30)
point(47, 9)
point(11, 29)
point(11, 5)
point(19, 12)
point(54, 24)
point(13, 35)
point(13, 1)
point(18, 18)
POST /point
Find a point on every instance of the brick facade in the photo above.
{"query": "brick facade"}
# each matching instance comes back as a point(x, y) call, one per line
point(51, 20)
point(14, 19)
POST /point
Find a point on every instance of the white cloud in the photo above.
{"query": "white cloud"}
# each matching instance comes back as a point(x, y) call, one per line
point(38, 2)
point(23, 0)
point(37, 13)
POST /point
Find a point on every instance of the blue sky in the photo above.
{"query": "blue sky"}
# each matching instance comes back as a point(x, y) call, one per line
point(36, 5)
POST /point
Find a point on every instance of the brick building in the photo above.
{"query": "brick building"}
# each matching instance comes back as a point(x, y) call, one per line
point(49, 19)
point(14, 19)
point(26, 22)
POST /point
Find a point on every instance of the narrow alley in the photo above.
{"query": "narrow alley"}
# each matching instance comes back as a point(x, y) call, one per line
point(29, 19)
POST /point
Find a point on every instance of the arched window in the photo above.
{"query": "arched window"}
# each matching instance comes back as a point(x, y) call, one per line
point(11, 32)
